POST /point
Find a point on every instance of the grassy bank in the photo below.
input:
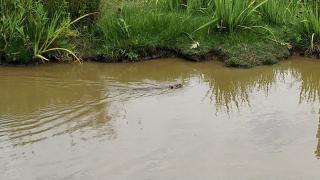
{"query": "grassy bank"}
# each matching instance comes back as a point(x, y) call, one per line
point(241, 33)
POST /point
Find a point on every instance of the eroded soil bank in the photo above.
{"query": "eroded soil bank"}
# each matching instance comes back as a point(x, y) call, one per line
point(243, 57)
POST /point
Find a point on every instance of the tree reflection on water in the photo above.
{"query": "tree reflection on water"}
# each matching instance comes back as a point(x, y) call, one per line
point(317, 152)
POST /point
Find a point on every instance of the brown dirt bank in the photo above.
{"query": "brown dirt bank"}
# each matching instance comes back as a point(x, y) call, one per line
point(155, 53)
point(213, 54)
point(145, 54)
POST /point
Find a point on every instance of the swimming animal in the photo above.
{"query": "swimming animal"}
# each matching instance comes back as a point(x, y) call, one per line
point(176, 86)
point(172, 86)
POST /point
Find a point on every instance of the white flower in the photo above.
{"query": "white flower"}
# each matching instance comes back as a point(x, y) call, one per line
point(195, 45)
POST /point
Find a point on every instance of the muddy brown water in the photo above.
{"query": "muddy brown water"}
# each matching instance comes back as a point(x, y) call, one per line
point(122, 122)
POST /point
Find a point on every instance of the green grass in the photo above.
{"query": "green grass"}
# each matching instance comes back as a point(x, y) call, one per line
point(189, 6)
point(75, 8)
point(124, 32)
point(309, 20)
point(242, 33)
point(232, 14)
point(279, 12)
point(29, 31)
point(129, 29)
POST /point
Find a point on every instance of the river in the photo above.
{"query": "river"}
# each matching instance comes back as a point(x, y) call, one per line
point(123, 122)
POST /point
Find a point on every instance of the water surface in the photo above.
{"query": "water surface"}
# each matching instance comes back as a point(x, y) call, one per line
point(122, 122)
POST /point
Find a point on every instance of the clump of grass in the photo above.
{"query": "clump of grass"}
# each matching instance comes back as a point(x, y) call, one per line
point(231, 14)
point(189, 6)
point(279, 12)
point(201, 6)
point(27, 31)
point(13, 38)
point(76, 8)
point(310, 19)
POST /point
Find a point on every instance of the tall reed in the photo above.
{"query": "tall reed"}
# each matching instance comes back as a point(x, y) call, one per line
point(279, 12)
point(309, 24)
point(27, 31)
point(231, 14)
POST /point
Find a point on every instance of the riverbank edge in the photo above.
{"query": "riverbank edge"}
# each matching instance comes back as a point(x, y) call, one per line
point(151, 53)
